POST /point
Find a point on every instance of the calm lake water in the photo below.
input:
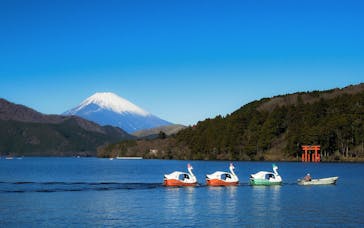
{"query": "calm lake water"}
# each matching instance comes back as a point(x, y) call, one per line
point(100, 192)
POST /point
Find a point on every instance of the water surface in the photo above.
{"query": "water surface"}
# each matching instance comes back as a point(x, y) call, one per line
point(101, 192)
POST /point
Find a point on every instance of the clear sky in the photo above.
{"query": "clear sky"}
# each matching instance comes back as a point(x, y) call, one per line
point(183, 61)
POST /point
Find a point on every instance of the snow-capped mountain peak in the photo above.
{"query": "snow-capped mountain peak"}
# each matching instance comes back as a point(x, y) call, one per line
point(110, 109)
point(112, 102)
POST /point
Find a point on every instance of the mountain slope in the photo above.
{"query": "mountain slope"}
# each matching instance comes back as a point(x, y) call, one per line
point(153, 132)
point(271, 129)
point(24, 131)
point(274, 128)
point(110, 109)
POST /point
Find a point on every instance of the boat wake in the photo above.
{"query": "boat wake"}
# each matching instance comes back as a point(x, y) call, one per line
point(24, 187)
point(54, 186)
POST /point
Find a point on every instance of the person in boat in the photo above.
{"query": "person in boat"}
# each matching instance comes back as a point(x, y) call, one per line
point(307, 177)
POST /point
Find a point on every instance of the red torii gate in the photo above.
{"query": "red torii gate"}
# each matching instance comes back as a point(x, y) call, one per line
point(306, 155)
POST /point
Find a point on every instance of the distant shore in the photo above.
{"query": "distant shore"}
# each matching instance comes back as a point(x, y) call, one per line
point(346, 160)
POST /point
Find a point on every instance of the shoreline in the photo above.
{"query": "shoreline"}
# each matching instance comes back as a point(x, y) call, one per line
point(216, 160)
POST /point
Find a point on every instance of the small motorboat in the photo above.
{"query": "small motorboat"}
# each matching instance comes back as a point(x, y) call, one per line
point(178, 178)
point(220, 178)
point(266, 178)
point(321, 181)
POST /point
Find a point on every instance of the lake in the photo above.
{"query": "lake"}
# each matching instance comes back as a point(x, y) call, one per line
point(101, 192)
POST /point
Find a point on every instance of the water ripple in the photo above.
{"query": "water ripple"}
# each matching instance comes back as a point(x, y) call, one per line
point(23, 187)
point(57, 186)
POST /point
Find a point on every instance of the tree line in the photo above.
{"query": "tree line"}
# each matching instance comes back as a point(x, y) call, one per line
point(269, 127)
point(249, 133)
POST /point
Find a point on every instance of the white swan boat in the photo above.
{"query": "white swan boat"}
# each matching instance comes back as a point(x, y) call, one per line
point(220, 178)
point(178, 178)
point(266, 178)
point(321, 181)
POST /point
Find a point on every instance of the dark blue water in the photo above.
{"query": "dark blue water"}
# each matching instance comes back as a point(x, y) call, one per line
point(100, 192)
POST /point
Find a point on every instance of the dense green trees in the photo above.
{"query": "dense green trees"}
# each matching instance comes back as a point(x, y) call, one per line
point(270, 129)
point(250, 132)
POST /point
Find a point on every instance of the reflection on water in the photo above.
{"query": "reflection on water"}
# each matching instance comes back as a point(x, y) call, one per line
point(223, 204)
point(196, 204)
point(180, 204)
point(266, 204)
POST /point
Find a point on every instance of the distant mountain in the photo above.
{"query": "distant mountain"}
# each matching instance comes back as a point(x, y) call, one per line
point(110, 109)
point(24, 131)
point(154, 132)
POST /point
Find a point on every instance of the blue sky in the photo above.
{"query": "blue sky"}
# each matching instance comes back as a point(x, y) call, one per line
point(183, 61)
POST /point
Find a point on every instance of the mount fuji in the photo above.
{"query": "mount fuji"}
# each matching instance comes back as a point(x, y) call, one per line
point(110, 109)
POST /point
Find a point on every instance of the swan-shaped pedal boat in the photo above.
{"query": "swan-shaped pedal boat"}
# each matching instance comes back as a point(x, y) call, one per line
point(220, 178)
point(266, 178)
point(178, 178)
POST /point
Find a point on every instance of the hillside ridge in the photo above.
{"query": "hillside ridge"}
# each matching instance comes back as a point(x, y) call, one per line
point(26, 132)
point(269, 129)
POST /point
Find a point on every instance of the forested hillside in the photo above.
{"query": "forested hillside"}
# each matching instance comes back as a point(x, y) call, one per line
point(26, 132)
point(275, 128)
